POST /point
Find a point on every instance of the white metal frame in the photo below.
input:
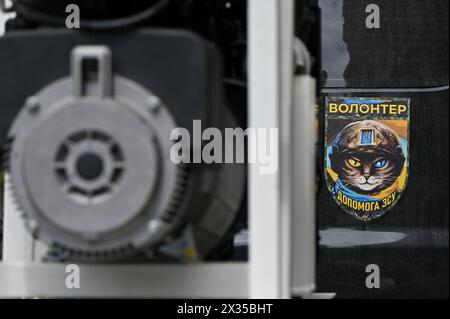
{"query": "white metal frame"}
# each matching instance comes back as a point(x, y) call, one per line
point(271, 76)
point(272, 271)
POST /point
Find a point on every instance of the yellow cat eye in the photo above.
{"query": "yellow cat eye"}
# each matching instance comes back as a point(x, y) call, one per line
point(354, 163)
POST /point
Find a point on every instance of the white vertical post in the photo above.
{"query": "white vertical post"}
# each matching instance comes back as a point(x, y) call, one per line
point(303, 219)
point(270, 28)
point(287, 123)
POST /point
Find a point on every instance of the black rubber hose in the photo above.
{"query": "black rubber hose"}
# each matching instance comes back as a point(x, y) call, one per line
point(37, 16)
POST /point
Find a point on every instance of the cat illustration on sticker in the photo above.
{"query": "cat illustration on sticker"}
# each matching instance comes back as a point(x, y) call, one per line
point(366, 158)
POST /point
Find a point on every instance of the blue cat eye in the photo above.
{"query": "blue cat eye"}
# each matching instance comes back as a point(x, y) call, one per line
point(380, 164)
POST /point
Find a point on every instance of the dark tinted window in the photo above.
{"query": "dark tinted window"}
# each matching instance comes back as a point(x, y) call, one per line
point(410, 49)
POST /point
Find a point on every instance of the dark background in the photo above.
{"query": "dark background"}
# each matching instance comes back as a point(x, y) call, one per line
point(410, 50)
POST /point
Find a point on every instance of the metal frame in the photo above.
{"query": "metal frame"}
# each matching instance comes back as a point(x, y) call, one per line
point(271, 77)
point(128, 281)
point(277, 267)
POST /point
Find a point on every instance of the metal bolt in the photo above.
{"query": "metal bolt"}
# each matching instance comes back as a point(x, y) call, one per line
point(153, 226)
point(6, 6)
point(154, 104)
point(32, 105)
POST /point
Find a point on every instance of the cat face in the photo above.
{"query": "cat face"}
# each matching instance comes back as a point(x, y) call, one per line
point(367, 157)
point(369, 172)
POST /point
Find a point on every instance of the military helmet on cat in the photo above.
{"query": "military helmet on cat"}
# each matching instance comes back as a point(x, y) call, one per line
point(365, 136)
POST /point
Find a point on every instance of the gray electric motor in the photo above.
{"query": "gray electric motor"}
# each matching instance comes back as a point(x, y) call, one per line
point(90, 169)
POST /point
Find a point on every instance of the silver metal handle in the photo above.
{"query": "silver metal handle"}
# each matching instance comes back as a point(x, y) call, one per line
point(82, 86)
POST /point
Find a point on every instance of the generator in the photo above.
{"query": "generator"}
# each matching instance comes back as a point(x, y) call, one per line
point(92, 119)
